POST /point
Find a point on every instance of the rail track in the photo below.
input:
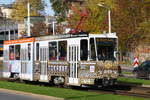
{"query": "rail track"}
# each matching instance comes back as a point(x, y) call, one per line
point(119, 89)
point(127, 90)
point(131, 92)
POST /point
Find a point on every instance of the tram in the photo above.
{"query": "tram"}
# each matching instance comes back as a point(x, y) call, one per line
point(68, 59)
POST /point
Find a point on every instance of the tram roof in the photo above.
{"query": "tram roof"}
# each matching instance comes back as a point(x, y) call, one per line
point(78, 35)
point(59, 36)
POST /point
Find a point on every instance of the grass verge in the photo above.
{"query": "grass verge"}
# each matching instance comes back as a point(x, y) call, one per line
point(134, 81)
point(63, 93)
point(128, 73)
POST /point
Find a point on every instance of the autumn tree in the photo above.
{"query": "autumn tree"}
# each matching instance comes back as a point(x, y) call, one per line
point(60, 8)
point(20, 8)
point(128, 20)
point(96, 15)
point(39, 29)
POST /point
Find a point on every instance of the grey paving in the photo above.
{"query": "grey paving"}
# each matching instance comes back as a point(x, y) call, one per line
point(126, 68)
point(11, 96)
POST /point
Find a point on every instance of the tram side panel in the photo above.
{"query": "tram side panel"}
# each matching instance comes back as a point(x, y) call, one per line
point(98, 73)
point(12, 64)
point(50, 61)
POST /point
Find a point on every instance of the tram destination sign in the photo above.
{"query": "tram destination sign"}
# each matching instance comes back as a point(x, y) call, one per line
point(74, 35)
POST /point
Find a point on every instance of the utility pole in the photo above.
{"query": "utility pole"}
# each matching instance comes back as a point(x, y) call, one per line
point(109, 16)
point(28, 22)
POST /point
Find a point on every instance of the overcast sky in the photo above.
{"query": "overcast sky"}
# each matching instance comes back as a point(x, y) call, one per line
point(48, 9)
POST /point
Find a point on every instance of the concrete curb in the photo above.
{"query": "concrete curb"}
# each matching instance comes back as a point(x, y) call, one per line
point(147, 86)
point(43, 97)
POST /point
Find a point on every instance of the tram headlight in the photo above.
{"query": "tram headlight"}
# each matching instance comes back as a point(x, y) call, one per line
point(115, 72)
point(100, 72)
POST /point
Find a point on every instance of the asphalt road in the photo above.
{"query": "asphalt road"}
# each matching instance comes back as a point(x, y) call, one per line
point(10, 96)
point(6, 94)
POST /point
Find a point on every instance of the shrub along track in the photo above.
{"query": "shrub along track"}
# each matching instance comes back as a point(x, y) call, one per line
point(119, 89)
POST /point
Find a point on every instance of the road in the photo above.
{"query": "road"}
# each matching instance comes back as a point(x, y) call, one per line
point(15, 95)
point(126, 68)
point(11, 96)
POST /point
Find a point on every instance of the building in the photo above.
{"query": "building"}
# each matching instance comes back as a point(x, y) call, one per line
point(8, 27)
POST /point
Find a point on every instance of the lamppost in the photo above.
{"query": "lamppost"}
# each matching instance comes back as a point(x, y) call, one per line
point(29, 34)
point(4, 25)
point(109, 16)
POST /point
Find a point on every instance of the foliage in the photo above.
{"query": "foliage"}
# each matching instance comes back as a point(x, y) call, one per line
point(96, 15)
point(60, 8)
point(68, 94)
point(129, 18)
point(39, 28)
point(20, 8)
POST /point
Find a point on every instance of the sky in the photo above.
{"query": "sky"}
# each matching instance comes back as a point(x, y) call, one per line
point(48, 9)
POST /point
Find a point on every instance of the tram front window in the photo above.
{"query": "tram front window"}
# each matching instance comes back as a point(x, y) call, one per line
point(105, 48)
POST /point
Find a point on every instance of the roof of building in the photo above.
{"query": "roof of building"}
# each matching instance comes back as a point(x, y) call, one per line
point(6, 6)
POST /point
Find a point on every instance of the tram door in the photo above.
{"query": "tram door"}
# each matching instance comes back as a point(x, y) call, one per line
point(27, 61)
point(73, 60)
point(43, 61)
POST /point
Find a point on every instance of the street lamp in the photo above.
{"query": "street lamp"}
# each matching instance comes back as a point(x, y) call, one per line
point(109, 17)
point(28, 5)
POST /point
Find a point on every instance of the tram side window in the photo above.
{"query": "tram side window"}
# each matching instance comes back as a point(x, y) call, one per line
point(11, 52)
point(83, 49)
point(37, 51)
point(17, 52)
point(52, 51)
point(29, 51)
point(62, 50)
point(92, 49)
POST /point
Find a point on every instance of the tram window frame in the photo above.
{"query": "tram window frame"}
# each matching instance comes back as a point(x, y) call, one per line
point(62, 49)
point(29, 51)
point(92, 49)
point(84, 50)
point(37, 51)
point(106, 52)
point(52, 50)
point(12, 52)
point(17, 52)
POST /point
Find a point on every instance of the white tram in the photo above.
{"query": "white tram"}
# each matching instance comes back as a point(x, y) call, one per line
point(70, 59)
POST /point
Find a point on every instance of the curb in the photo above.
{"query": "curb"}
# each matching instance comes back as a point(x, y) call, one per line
point(43, 97)
point(146, 86)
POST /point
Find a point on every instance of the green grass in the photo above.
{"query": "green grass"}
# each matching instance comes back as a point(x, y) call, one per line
point(63, 93)
point(129, 73)
point(134, 80)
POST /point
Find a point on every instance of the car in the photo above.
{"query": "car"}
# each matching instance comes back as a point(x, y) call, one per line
point(143, 70)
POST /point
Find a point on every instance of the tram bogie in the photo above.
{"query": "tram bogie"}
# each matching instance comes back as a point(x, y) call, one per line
point(68, 59)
